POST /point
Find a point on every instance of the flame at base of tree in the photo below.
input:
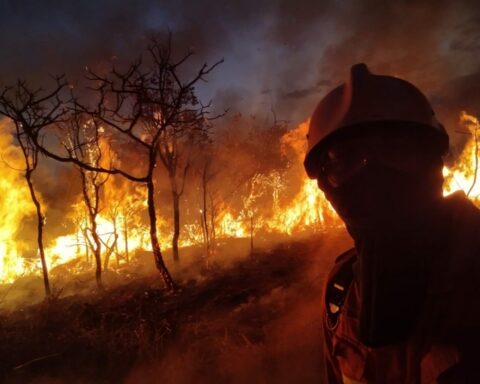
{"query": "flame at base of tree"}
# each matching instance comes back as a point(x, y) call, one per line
point(15, 205)
point(122, 231)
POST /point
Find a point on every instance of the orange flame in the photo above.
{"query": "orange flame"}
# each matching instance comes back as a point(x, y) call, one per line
point(464, 174)
point(307, 209)
point(14, 206)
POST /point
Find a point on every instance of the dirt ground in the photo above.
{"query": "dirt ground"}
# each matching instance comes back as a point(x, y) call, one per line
point(252, 320)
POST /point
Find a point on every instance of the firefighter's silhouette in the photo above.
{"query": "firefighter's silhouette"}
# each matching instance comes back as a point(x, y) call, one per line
point(403, 305)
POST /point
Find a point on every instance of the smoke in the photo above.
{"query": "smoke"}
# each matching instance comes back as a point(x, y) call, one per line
point(264, 338)
point(277, 53)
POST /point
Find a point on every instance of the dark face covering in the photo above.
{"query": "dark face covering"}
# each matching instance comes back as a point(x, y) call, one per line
point(393, 217)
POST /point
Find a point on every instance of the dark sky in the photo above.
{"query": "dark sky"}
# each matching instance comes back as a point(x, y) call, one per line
point(278, 54)
point(281, 55)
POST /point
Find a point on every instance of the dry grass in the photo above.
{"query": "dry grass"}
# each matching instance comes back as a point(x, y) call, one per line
point(256, 320)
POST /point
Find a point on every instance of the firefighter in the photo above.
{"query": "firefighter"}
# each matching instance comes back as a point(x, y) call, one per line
point(401, 306)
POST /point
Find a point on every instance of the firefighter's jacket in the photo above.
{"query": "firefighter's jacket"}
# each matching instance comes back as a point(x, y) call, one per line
point(444, 348)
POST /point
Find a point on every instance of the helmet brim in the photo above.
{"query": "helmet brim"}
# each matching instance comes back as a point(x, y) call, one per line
point(434, 142)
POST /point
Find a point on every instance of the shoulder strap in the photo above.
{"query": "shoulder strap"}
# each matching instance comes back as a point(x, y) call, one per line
point(338, 283)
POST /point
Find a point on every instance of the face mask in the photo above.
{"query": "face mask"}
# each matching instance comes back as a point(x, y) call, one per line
point(387, 213)
point(380, 198)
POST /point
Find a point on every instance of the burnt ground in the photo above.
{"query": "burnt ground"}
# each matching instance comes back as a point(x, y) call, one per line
point(256, 320)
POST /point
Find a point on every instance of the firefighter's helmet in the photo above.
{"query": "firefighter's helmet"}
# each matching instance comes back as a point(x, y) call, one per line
point(368, 100)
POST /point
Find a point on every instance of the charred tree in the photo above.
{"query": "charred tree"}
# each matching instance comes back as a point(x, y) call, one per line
point(33, 110)
point(30, 154)
point(137, 106)
point(204, 210)
point(82, 138)
point(169, 156)
point(208, 203)
point(213, 221)
point(109, 249)
point(125, 239)
point(113, 213)
point(180, 118)
point(127, 212)
point(151, 105)
point(91, 196)
point(124, 208)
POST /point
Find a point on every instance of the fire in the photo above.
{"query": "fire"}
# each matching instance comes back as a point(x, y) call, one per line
point(122, 230)
point(464, 174)
point(309, 207)
point(118, 226)
point(15, 205)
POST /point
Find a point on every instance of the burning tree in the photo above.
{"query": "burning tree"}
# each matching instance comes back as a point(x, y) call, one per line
point(83, 141)
point(150, 105)
point(206, 168)
point(32, 110)
point(35, 111)
point(170, 153)
point(209, 208)
point(126, 202)
point(153, 107)
point(264, 170)
point(259, 169)
point(113, 214)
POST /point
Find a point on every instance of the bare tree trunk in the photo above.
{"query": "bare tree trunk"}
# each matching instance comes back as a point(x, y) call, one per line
point(87, 248)
point(204, 212)
point(40, 224)
point(108, 253)
point(204, 234)
point(176, 225)
point(206, 229)
point(251, 235)
point(125, 235)
point(157, 253)
point(115, 242)
point(106, 259)
point(92, 208)
point(77, 243)
point(97, 253)
point(176, 218)
point(213, 234)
